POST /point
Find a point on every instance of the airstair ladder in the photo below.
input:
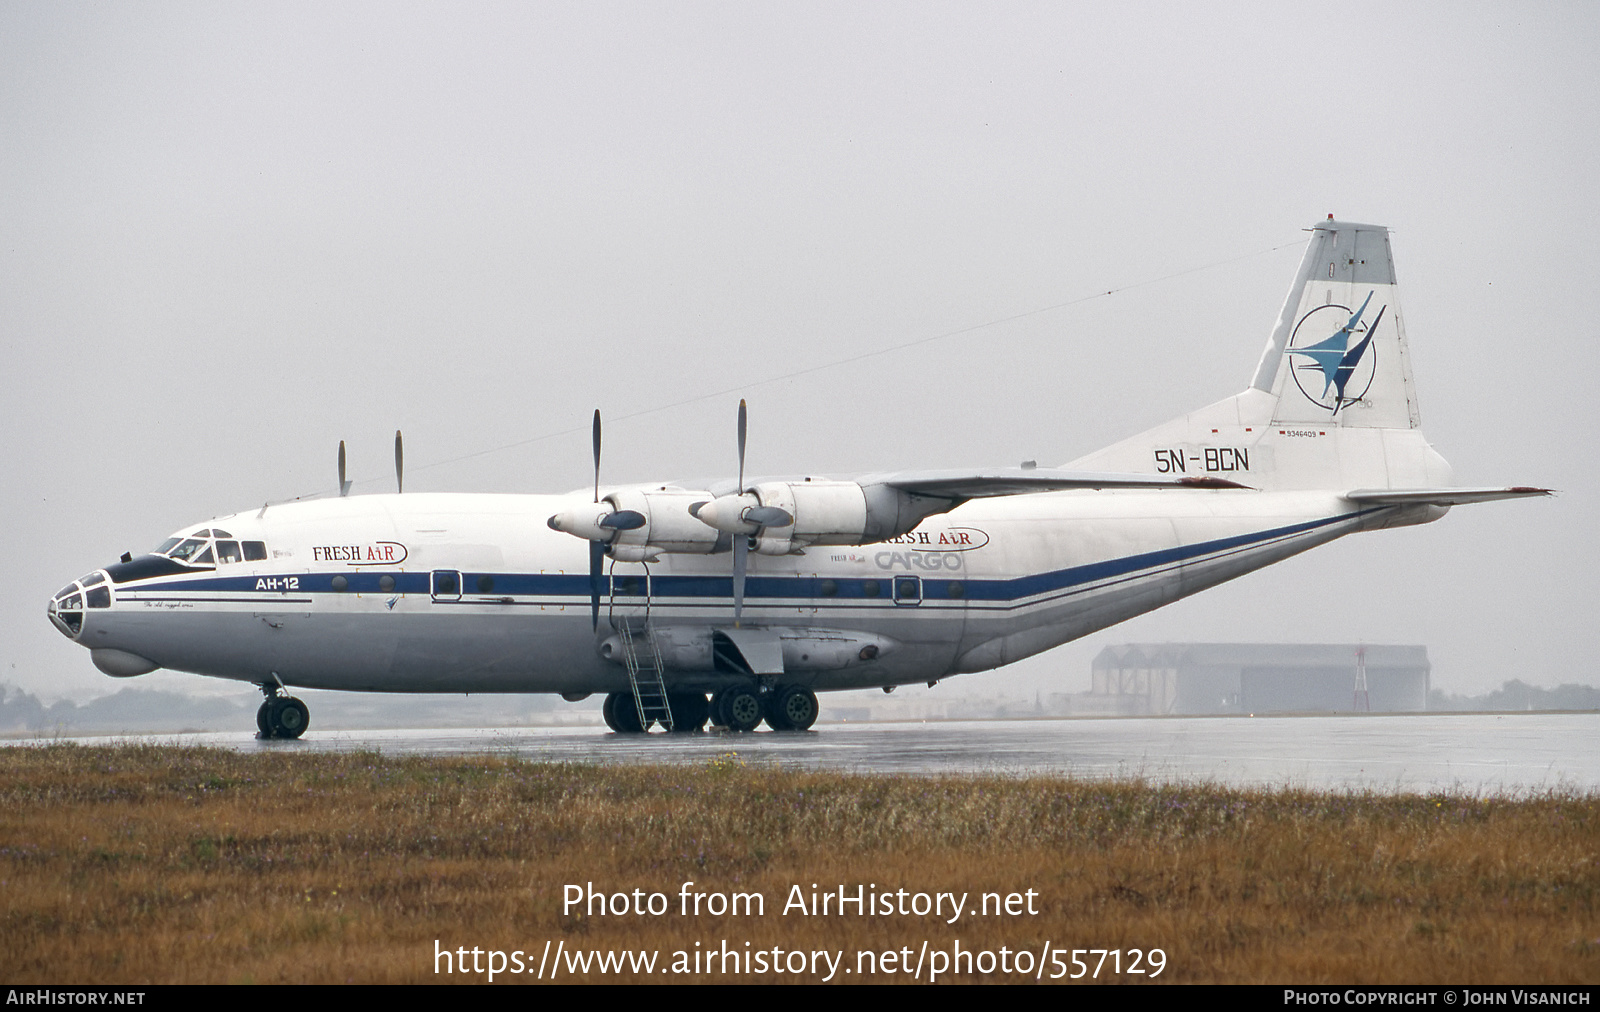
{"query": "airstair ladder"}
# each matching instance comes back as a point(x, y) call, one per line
point(648, 682)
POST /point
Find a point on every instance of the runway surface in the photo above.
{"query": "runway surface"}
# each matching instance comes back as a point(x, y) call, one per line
point(1471, 753)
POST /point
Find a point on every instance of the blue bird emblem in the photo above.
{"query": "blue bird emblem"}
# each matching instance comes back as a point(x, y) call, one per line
point(1336, 358)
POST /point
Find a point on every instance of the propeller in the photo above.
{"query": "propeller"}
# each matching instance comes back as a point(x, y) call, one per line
point(344, 486)
point(597, 549)
point(600, 531)
point(737, 518)
point(399, 464)
point(741, 542)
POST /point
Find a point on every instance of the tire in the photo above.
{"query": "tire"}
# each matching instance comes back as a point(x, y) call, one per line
point(689, 711)
point(264, 719)
point(288, 717)
point(625, 714)
point(608, 711)
point(797, 707)
point(742, 706)
point(773, 712)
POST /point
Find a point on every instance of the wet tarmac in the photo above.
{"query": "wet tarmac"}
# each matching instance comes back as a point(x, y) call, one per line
point(1511, 753)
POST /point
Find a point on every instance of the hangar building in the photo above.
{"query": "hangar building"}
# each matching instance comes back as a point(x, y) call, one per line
point(1160, 678)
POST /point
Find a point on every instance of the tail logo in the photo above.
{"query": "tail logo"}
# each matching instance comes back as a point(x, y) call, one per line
point(1340, 368)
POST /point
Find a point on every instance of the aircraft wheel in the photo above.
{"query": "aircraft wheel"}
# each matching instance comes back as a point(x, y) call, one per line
point(772, 711)
point(797, 707)
point(263, 719)
point(608, 711)
point(625, 714)
point(741, 707)
point(689, 711)
point(288, 717)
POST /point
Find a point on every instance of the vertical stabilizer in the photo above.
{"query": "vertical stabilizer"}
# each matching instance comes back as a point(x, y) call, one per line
point(1338, 353)
point(1331, 404)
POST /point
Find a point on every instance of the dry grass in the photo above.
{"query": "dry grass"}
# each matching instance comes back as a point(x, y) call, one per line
point(142, 864)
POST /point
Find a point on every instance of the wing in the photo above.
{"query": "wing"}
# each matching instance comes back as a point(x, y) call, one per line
point(961, 486)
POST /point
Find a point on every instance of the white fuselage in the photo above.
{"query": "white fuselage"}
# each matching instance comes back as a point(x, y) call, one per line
point(475, 593)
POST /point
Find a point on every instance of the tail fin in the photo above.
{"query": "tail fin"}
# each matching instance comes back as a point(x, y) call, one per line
point(1338, 354)
point(1332, 404)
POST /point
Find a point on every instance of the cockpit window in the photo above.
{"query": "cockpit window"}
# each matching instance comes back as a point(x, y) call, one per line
point(93, 578)
point(197, 549)
point(186, 551)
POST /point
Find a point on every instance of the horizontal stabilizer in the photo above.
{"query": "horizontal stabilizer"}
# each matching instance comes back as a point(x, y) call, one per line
point(988, 484)
point(1440, 496)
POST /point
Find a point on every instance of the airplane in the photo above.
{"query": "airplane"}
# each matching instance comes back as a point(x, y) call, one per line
point(736, 603)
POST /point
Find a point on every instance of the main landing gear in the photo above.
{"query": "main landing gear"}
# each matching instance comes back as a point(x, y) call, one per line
point(689, 712)
point(281, 715)
point(785, 708)
point(739, 708)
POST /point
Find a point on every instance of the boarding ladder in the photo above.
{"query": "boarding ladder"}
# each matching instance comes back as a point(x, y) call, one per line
point(647, 678)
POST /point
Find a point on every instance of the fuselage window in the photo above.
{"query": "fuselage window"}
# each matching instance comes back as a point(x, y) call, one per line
point(255, 551)
point(386, 583)
point(227, 551)
point(871, 588)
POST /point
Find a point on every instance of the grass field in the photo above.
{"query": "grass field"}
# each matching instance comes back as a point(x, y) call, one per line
point(154, 864)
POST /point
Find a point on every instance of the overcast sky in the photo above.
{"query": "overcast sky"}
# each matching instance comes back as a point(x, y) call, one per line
point(233, 234)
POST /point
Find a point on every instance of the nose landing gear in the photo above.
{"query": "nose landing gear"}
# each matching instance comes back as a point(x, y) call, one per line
point(281, 715)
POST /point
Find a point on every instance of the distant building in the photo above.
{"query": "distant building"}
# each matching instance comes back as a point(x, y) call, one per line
point(1161, 678)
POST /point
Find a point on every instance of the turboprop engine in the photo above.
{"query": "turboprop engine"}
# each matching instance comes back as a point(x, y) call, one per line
point(787, 516)
point(654, 521)
point(780, 518)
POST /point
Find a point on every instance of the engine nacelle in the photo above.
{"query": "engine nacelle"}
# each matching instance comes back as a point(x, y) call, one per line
point(668, 526)
point(824, 512)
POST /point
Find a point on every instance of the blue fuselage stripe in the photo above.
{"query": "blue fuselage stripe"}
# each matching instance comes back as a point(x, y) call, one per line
point(720, 588)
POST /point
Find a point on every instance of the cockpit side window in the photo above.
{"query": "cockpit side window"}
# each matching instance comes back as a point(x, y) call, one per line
point(228, 551)
point(255, 551)
point(167, 546)
point(204, 558)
